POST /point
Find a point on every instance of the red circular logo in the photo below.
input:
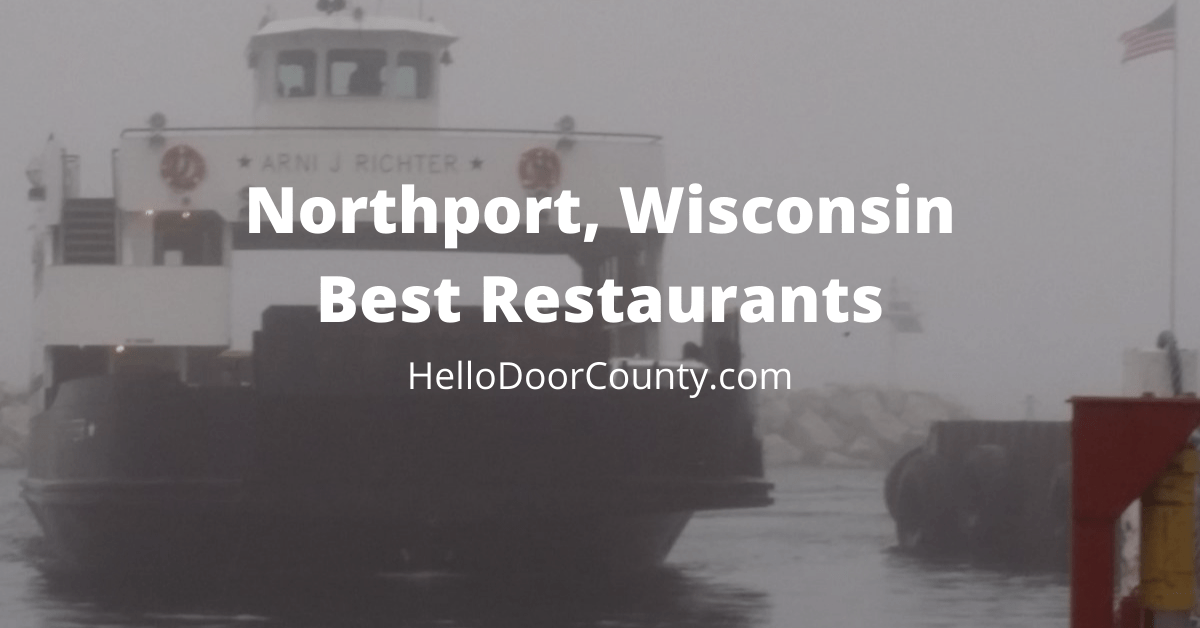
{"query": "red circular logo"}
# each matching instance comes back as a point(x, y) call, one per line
point(182, 167)
point(539, 169)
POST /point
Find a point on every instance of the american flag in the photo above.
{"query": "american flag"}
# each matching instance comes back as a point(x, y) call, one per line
point(1156, 35)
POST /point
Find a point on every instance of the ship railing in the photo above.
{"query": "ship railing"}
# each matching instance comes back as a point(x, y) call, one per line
point(478, 131)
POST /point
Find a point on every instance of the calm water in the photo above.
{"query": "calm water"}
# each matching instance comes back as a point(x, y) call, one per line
point(819, 557)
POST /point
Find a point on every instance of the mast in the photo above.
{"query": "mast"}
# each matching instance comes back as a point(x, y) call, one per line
point(1174, 182)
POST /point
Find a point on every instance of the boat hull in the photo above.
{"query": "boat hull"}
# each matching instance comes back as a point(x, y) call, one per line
point(996, 493)
point(139, 475)
point(218, 529)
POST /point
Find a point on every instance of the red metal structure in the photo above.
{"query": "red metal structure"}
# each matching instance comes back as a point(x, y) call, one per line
point(1119, 446)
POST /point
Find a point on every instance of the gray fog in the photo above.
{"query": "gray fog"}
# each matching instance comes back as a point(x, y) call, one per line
point(1055, 156)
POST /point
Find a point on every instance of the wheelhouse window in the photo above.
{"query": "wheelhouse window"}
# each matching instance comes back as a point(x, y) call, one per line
point(412, 76)
point(296, 74)
point(356, 72)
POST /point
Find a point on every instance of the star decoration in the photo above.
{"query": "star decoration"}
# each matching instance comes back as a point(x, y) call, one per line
point(476, 164)
point(244, 161)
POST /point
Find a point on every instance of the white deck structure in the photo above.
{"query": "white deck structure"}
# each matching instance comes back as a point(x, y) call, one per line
point(343, 106)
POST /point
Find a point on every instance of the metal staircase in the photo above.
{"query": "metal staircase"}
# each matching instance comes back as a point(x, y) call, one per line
point(89, 231)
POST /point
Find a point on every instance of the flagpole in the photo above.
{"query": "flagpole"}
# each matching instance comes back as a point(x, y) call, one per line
point(1174, 174)
point(1159, 35)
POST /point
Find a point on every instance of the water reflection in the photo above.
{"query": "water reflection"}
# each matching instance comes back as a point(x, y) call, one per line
point(668, 597)
point(959, 594)
point(819, 558)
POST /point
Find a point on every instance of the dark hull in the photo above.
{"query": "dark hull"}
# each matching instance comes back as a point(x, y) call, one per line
point(219, 530)
point(995, 493)
point(142, 475)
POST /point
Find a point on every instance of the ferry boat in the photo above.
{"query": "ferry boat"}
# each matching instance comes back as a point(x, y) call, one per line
point(161, 445)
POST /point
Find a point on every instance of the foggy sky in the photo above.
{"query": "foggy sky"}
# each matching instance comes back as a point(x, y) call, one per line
point(1055, 156)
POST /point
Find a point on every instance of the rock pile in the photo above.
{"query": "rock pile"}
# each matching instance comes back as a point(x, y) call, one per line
point(848, 426)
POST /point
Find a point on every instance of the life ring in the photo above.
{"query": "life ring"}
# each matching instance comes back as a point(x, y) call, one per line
point(182, 167)
point(539, 169)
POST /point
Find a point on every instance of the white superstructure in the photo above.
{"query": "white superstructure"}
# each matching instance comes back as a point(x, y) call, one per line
point(344, 105)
